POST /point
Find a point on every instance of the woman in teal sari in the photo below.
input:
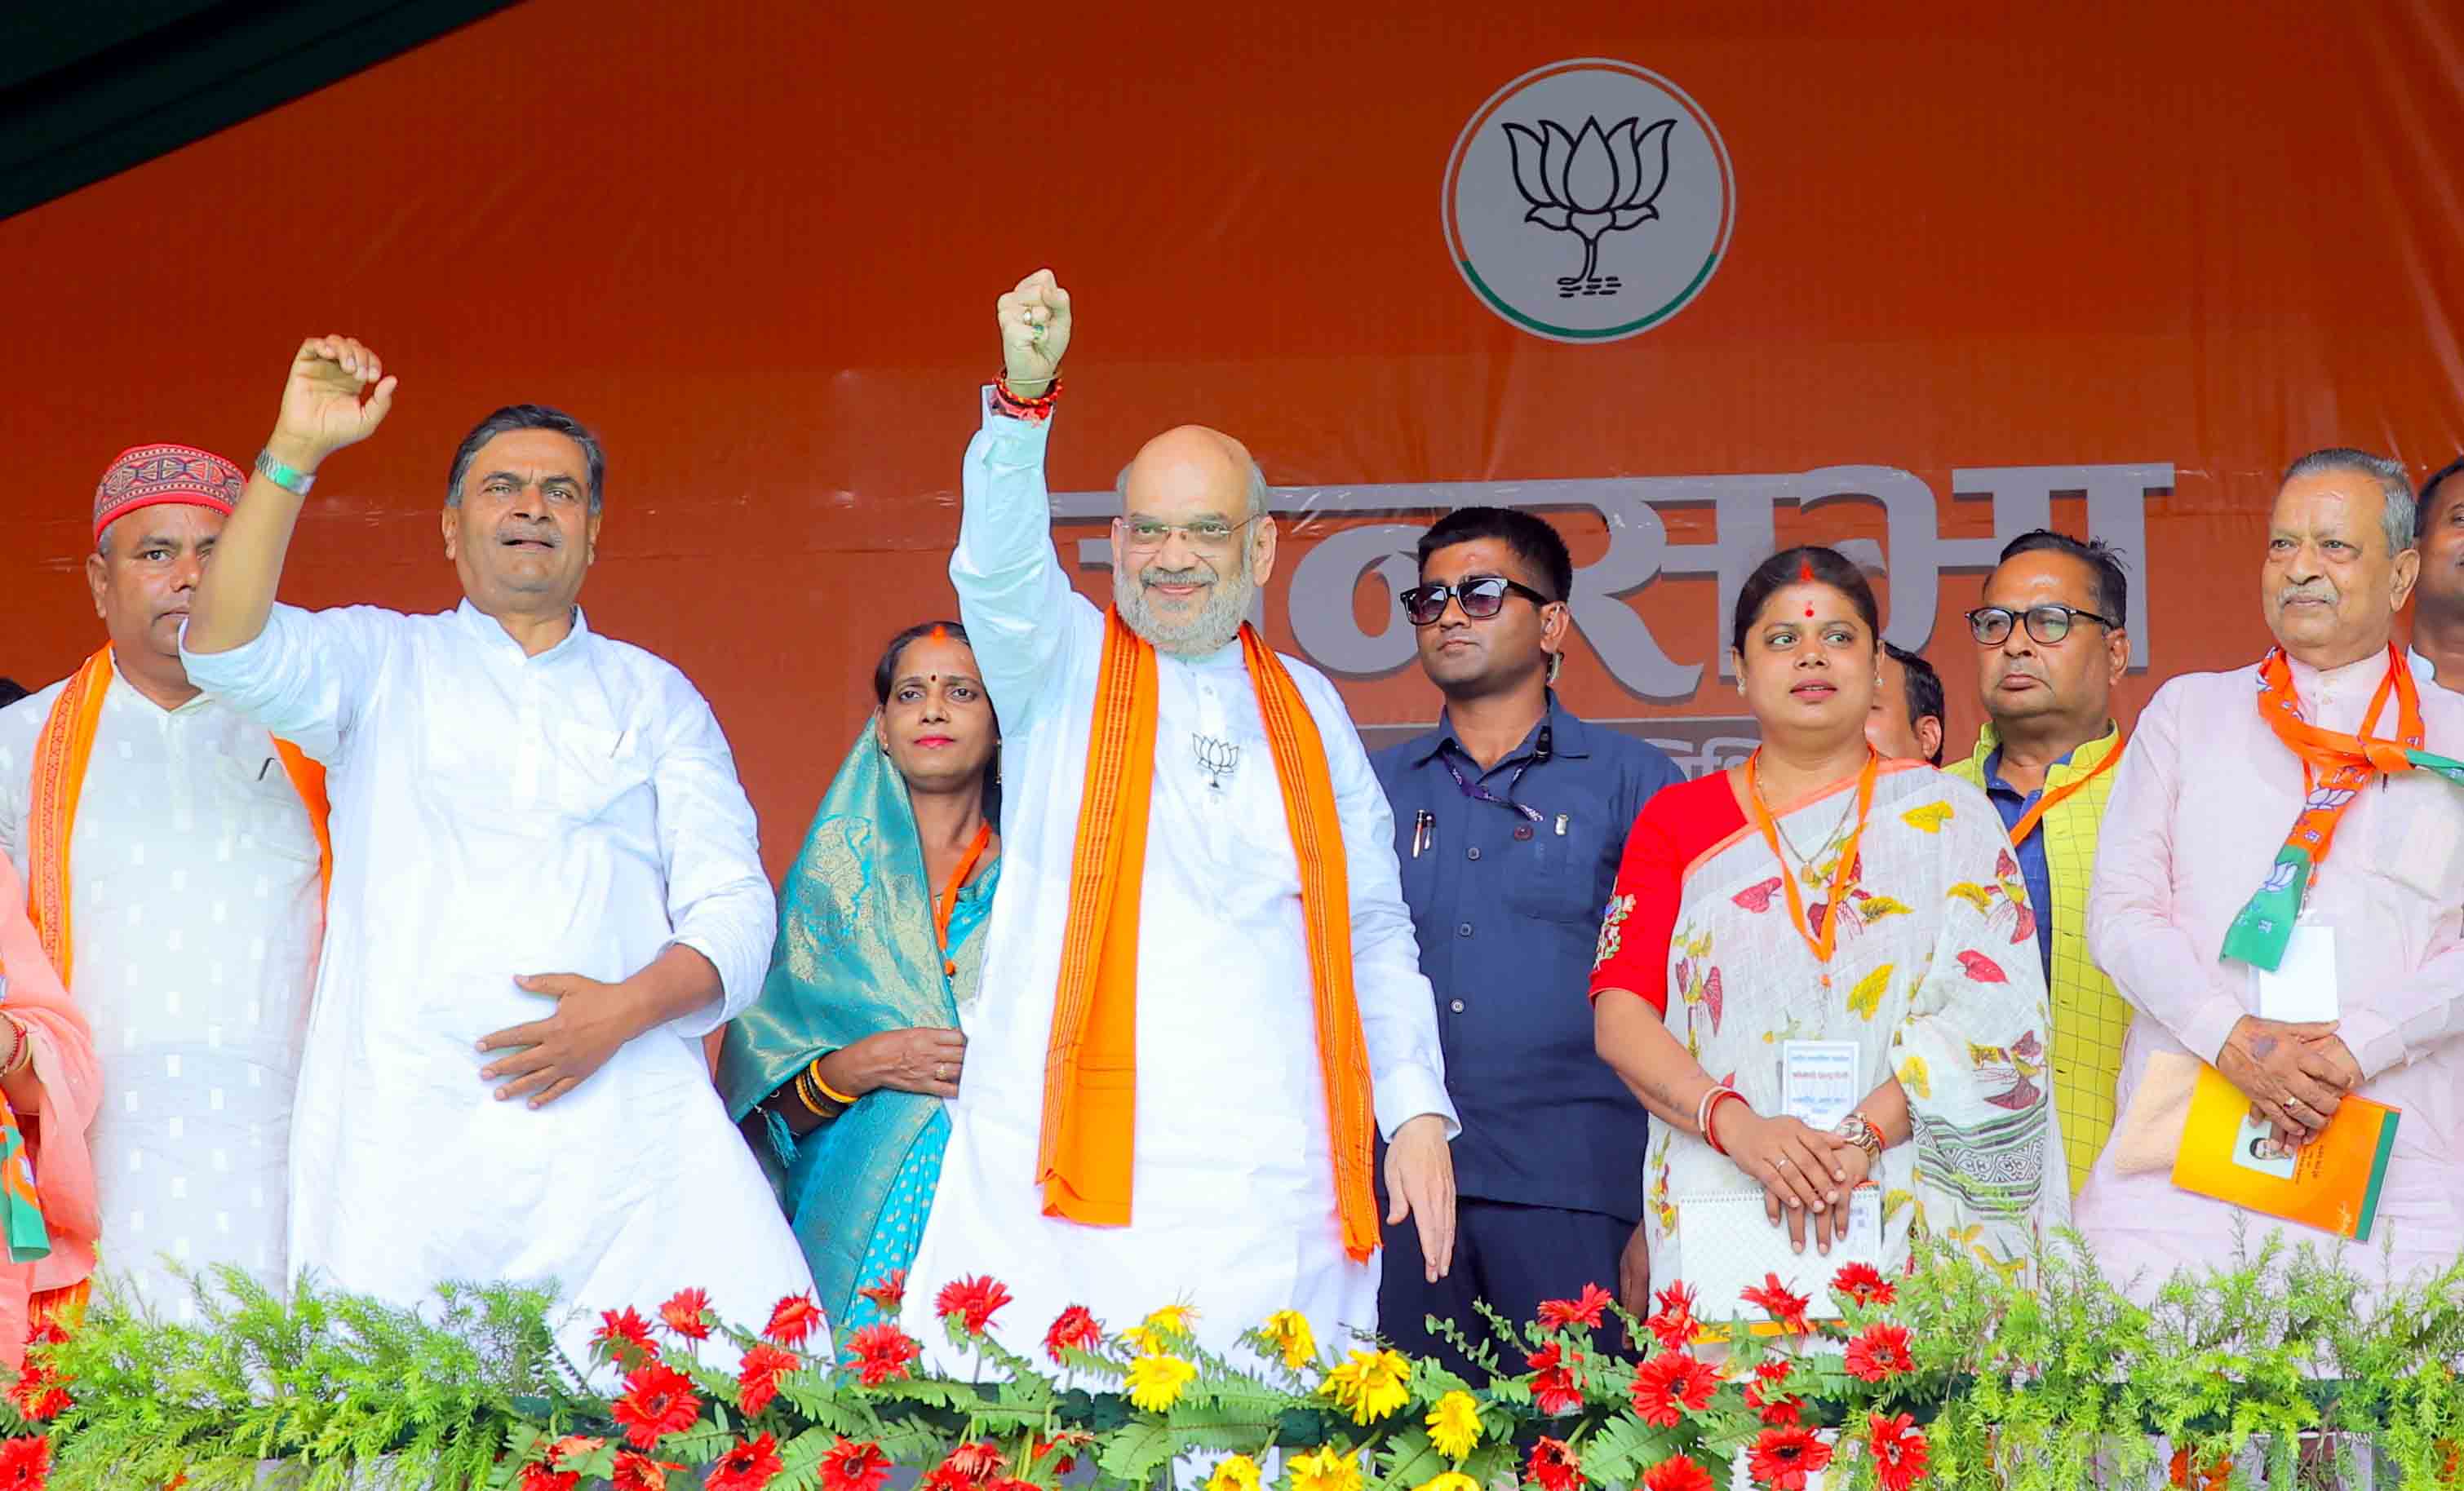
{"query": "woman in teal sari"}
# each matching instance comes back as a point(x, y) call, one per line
point(838, 1071)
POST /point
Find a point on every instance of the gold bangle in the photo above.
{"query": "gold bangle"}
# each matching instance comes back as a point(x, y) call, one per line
point(804, 1095)
point(827, 1091)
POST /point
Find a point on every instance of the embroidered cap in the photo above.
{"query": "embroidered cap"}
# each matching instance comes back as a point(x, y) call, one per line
point(150, 475)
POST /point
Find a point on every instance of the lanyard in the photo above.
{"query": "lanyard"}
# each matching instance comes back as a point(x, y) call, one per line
point(2050, 800)
point(948, 902)
point(1818, 941)
point(1480, 793)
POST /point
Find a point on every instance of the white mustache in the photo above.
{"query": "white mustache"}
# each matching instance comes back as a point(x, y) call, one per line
point(2292, 593)
point(1196, 575)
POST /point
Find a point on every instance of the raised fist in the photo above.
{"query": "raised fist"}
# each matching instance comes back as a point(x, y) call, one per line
point(322, 406)
point(1035, 332)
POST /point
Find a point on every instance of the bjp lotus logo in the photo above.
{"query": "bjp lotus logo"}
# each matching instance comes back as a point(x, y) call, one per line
point(1590, 183)
point(1602, 167)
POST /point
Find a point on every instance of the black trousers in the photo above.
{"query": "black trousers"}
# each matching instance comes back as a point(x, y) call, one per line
point(1511, 1257)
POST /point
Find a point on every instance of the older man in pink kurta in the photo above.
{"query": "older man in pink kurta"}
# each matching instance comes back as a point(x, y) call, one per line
point(2202, 802)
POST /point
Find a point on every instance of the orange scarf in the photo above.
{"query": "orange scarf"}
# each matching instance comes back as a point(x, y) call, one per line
point(1091, 1071)
point(60, 755)
point(2334, 768)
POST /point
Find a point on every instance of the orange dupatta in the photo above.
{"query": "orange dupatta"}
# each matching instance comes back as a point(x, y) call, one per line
point(1084, 1157)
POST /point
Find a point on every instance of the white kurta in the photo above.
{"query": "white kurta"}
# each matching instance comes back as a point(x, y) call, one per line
point(1233, 1204)
point(495, 815)
point(193, 909)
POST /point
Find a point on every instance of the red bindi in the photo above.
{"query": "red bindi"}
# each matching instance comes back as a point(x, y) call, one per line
point(1809, 613)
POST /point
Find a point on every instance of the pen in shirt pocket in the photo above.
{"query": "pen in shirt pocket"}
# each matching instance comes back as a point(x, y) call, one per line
point(1423, 822)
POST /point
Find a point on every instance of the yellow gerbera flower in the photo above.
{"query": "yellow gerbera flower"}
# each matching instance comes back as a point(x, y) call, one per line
point(1454, 1427)
point(1327, 1470)
point(1149, 1335)
point(1448, 1481)
point(1368, 1385)
point(1173, 1317)
point(1155, 1381)
point(1239, 1472)
point(1290, 1332)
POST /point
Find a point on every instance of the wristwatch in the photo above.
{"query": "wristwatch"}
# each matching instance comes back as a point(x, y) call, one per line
point(1860, 1130)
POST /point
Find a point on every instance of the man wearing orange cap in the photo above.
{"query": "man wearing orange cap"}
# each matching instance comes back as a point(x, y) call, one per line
point(171, 857)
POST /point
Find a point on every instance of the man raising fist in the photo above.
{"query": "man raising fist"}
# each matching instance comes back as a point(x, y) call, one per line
point(546, 892)
point(1208, 1017)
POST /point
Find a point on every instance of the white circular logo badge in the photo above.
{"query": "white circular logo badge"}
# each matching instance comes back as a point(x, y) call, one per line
point(1588, 200)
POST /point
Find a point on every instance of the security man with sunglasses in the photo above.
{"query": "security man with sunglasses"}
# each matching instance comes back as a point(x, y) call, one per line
point(2053, 646)
point(1509, 820)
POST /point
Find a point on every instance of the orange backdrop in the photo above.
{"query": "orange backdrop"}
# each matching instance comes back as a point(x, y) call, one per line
point(757, 245)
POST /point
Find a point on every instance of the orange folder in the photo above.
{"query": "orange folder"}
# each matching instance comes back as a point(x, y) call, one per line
point(2332, 1183)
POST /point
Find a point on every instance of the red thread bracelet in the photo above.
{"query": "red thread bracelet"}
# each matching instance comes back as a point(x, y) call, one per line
point(1039, 408)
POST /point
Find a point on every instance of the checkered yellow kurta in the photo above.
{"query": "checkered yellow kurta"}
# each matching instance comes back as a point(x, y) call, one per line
point(2090, 1015)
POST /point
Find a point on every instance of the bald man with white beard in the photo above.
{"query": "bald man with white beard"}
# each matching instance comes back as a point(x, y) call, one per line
point(1210, 997)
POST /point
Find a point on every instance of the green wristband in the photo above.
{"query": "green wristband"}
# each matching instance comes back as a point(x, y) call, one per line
point(295, 482)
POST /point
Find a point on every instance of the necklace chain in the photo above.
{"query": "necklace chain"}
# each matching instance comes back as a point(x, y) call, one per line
point(1802, 858)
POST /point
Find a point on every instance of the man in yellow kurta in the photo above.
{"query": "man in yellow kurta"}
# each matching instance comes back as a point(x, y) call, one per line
point(2051, 631)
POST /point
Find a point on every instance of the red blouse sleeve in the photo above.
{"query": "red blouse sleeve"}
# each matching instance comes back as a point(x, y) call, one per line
point(1673, 829)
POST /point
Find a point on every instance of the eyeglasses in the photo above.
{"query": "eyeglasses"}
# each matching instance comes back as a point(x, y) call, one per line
point(1481, 597)
point(1146, 534)
point(2047, 624)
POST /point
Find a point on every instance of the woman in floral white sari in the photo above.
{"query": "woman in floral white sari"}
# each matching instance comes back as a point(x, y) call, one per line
point(1819, 894)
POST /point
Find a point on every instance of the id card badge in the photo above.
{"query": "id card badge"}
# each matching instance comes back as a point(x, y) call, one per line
point(1818, 1084)
point(1865, 1221)
point(2303, 985)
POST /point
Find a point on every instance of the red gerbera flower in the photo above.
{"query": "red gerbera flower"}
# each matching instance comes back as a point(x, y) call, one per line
point(1668, 1380)
point(853, 1465)
point(684, 1314)
point(975, 1463)
point(49, 1332)
point(1880, 1352)
point(1774, 1298)
point(1783, 1457)
point(623, 1338)
point(37, 1395)
point(1075, 1327)
point(641, 1473)
point(1554, 1467)
point(547, 1472)
point(1860, 1282)
point(1677, 1473)
point(881, 1353)
point(942, 1478)
point(658, 1401)
point(1558, 1314)
point(538, 1476)
point(26, 1463)
point(1898, 1449)
point(1064, 1442)
point(747, 1467)
point(757, 1381)
point(889, 1292)
point(1674, 1321)
point(973, 1301)
point(793, 1319)
point(1552, 1381)
point(1765, 1394)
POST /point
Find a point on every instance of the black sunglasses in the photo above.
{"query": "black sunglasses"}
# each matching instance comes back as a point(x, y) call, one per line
point(2047, 624)
point(1481, 597)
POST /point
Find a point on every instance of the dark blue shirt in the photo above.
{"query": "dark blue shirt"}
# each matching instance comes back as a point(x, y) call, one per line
point(1508, 917)
point(2013, 804)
